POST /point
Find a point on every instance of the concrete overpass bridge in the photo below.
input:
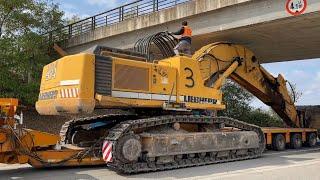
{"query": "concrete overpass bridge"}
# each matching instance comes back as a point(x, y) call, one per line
point(262, 25)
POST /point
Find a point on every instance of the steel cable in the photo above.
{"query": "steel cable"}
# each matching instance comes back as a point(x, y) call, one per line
point(163, 41)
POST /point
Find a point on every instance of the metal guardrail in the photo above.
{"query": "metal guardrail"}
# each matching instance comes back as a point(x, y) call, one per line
point(113, 16)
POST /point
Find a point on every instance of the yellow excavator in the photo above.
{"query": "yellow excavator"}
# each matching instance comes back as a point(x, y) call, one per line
point(153, 115)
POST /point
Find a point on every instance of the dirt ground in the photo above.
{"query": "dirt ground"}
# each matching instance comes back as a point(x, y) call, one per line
point(50, 124)
point(53, 124)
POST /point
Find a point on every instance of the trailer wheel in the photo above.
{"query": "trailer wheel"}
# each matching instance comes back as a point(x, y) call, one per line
point(311, 139)
point(296, 141)
point(279, 142)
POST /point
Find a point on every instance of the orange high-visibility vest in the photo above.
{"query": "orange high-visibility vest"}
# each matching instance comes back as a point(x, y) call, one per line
point(187, 32)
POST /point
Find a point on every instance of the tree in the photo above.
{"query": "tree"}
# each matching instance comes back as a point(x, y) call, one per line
point(264, 118)
point(24, 45)
point(294, 93)
point(73, 19)
point(15, 15)
point(238, 101)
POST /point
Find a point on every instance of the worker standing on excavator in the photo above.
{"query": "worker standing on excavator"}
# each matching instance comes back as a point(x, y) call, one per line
point(184, 45)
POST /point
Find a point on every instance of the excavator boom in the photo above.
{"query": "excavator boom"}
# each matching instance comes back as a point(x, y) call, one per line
point(246, 70)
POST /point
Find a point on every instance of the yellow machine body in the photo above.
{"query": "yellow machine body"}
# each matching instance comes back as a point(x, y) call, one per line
point(68, 85)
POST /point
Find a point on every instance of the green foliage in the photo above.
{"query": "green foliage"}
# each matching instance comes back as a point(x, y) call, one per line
point(264, 118)
point(237, 102)
point(24, 47)
point(11, 86)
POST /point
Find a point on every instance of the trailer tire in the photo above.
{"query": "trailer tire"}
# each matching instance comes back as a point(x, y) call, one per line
point(279, 142)
point(296, 141)
point(311, 139)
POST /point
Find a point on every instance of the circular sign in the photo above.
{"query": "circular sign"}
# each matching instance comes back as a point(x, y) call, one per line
point(296, 7)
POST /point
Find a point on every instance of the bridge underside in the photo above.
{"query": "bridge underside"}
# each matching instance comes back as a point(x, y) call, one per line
point(293, 38)
point(263, 26)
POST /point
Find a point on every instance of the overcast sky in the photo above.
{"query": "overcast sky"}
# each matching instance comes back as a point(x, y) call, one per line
point(85, 8)
point(305, 74)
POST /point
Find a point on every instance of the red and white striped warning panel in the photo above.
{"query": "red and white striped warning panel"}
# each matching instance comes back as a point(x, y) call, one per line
point(69, 93)
point(107, 151)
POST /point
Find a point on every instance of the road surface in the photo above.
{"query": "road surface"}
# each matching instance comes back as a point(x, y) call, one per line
point(288, 165)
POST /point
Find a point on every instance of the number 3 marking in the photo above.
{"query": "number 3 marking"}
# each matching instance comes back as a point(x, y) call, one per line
point(190, 78)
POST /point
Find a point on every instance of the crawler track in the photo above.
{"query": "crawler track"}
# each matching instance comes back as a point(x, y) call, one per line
point(122, 125)
point(126, 127)
point(69, 127)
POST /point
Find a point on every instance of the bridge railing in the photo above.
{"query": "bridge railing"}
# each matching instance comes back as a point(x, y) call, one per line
point(116, 15)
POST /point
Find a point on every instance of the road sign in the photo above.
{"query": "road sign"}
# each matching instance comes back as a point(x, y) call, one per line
point(296, 7)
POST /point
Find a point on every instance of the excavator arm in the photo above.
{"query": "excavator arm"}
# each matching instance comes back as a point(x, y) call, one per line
point(219, 61)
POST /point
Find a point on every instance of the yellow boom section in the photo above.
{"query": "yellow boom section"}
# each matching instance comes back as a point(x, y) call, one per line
point(220, 60)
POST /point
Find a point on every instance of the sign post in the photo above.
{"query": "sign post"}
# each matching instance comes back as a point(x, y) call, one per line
point(296, 7)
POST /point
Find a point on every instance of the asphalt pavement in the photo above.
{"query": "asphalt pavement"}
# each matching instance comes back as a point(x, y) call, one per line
point(287, 165)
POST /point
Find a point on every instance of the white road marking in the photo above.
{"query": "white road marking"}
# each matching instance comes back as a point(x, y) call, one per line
point(291, 151)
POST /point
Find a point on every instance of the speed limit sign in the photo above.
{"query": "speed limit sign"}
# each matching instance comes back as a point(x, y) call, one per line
point(296, 7)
